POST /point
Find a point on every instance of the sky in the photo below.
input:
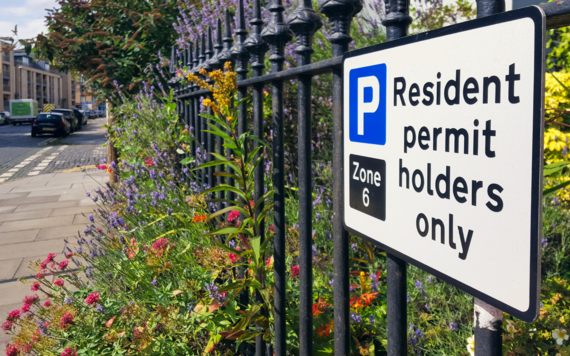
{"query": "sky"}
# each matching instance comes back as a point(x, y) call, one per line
point(29, 15)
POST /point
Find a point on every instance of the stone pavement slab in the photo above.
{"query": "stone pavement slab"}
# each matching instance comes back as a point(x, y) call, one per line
point(36, 223)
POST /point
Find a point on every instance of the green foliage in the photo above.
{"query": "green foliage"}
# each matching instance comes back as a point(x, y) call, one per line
point(108, 40)
point(433, 14)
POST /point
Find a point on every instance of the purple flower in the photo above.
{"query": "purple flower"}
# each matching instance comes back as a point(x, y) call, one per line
point(153, 282)
point(99, 308)
point(452, 326)
point(91, 218)
point(419, 285)
point(357, 318)
point(354, 247)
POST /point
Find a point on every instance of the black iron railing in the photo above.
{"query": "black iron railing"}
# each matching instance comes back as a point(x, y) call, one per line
point(303, 23)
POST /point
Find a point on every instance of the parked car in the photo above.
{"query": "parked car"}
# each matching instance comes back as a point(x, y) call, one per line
point(70, 117)
point(92, 115)
point(4, 119)
point(81, 117)
point(51, 123)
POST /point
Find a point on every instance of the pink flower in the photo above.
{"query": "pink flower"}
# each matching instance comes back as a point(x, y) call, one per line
point(160, 245)
point(35, 286)
point(69, 255)
point(234, 214)
point(47, 303)
point(31, 299)
point(50, 257)
point(14, 314)
point(7, 326)
point(294, 271)
point(67, 319)
point(12, 350)
point(58, 283)
point(69, 352)
point(233, 257)
point(110, 322)
point(269, 262)
point(63, 265)
point(40, 275)
point(93, 298)
point(25, 308)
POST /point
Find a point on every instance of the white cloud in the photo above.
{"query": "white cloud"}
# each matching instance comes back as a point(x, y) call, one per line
point(16, 11)
point(30, 17)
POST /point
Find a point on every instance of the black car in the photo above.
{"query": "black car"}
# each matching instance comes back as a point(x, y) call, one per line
point(70, 117)
point(81, 117)
point(51, 123)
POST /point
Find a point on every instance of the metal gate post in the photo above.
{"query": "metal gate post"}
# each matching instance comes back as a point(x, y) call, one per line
point(340, 13)
point(396, 21)
point(277, 34)
point(488, 319)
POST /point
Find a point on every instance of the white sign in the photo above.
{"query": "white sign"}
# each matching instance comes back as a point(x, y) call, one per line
point(443, 136)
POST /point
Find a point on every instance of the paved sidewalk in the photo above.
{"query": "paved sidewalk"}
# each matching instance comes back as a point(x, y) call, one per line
point(36, 214)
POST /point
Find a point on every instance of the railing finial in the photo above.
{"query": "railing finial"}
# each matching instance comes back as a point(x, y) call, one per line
point(304, 22)
point(225, 55)
point(172, 61)
point(215, 61)
point(277, 34)
point(340, 13)
point(397, 19)
point(254, 43)
point(238, 50)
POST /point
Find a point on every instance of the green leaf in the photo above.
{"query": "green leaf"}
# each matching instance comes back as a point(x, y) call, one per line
point(210, 164)
point(225, 210)
point(187, 160)
point(553, 189)
point(256, 246)
point(224, 231)
point(223, 187)
point(180, 151)
point(554, 167)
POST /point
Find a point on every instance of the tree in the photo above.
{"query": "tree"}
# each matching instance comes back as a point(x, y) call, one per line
point(109, 41)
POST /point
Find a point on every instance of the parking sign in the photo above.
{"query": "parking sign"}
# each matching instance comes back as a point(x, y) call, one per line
point(443, 135)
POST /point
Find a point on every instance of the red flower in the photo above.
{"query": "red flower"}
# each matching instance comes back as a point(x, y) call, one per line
point(271, 227)
point(318, 308)
point(35, 286)
point(294, 271)
point(148, 162)
point(58, 283)
point(7, 326)
point(14, 314)
point(25, 308)
point(69, 352)
point(12, 350)
point(67, 319)
point(47, 303)
point(234, 214)
point(63, 265)
point(233, 257)
point(93, 298)
point(40, 275)
point(31, 299)
point(69, 255)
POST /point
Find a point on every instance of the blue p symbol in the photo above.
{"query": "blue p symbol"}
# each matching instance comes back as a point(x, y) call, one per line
point(367, 104)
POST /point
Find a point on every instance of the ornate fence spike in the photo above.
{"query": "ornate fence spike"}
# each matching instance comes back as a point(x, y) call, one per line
point(254, 43)
point(209, 53)
point(202, 52)
point(277, 34)
point(196, 58)
point(226, 55)
point(340, 13)
point(215, 61)
point(304, 22)
point(239, 53)
point(397, 19)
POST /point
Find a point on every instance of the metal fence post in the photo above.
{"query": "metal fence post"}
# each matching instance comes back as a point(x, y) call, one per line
point(203, 135)
point(216, 64)
point(241, 57)
point(257, 48)
point(396, 21)
point(277, 34)
point(488, 329)
point(304, 22)
point(211, 138)
point(340, 13)
point(488, 319)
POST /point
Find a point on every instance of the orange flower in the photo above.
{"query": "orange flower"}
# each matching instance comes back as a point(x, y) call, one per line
point(199, 218)
point(319, 307)
point(325, 329)
point(110, 322)
point(362, 301)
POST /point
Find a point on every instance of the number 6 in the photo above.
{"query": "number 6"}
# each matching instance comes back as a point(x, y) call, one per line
point(365, 198)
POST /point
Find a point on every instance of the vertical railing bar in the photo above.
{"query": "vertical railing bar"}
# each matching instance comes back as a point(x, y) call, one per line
point(304, 22)
point(257, 48)
point(203, 135)
point(241, 57)
point(340, 13)
point(211, 138)
point(192, 125)
point(217, 64)
point(488, 319)
point(277, 34)
point(187, 110)
point(396, 21)
point(226, 56)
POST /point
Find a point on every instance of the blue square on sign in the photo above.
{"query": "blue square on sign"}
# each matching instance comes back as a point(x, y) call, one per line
point(367, 104)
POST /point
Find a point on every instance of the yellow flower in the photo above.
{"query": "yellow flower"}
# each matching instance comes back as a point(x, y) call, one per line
point(559, 335)
point(471, 345)
point(511, 328)
point(230, 118)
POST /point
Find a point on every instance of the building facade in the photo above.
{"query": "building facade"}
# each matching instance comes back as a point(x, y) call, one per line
point(25, 78)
